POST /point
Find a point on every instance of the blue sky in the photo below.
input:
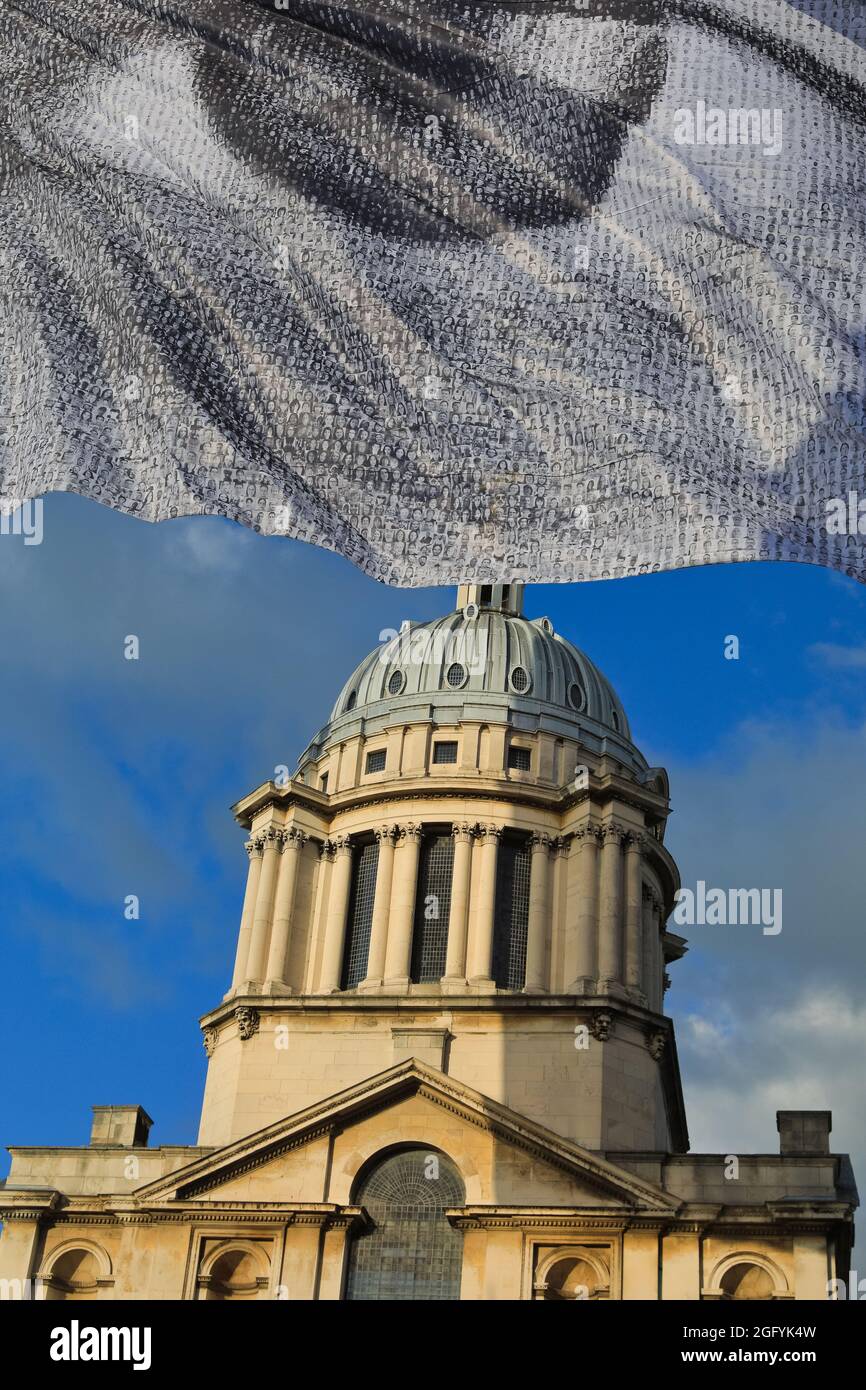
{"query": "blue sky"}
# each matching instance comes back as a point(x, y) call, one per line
point(118, 776)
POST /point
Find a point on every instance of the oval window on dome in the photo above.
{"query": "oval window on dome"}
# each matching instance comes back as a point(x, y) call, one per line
point(352, 700)
point(396, 683)
point(576, 697)
point(614, 719)
point(520, 680)
point(456, 674)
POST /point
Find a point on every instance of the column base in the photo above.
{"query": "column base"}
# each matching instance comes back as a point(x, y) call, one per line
point(615, 989)
point(533, 989)
point(398, 985)
point(370, 985)
point(276, 987)
point(478, 984)
point(584, 984)
point(454, 984)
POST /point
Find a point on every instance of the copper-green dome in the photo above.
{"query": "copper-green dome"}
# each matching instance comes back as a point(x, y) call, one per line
point(483, 662)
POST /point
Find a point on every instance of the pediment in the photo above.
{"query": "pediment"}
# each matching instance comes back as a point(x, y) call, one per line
point(509, 1160)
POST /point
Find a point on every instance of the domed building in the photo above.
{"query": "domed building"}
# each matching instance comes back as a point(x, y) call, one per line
point(443, 1069)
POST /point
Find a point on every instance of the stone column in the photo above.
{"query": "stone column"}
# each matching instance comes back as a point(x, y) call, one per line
point(586, 965)
point(284, 904)
point(658, 950)
point(633, 944)
point(610, 926)
point(651, 983)
point(398, 954)
point(335, 925)
point(481, 946)
point(264, 903)
point(458, 918)
point(254, 853)
point(381, 908)
point(538, 926)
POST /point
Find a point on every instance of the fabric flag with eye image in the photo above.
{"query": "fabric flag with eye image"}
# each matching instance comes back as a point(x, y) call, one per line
point(462, 289)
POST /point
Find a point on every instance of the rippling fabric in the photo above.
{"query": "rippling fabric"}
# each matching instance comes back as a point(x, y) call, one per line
point(469, 289)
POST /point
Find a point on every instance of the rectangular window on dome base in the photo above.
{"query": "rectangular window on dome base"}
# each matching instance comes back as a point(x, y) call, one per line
point(520, 759)
point(376, 761)
point(444, 752)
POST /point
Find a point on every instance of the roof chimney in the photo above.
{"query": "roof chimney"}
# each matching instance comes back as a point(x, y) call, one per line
point(126, 1126)
point(804, 1131)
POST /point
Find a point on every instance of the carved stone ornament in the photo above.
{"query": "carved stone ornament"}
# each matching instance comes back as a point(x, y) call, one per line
point(209, 1039)
point(656, 1044)
point(600, 1025)
point(247, 1021)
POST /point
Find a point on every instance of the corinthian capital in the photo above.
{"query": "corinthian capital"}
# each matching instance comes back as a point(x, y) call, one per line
point(612, 834)
point(294, 839)
point(635, 840)
point(490, 833)
point(409, 834)
point(462, 832)
point(253, 848)
point(541, 842)
point(342, 844)
point(386, 834)
point(587, 834)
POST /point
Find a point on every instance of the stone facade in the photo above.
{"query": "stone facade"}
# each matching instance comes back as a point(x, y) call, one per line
point(449, 983)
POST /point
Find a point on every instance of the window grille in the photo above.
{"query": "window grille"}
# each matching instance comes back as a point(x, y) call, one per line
point(376, 760)
point(520, 759)
point(360, 916)
point(511, 913)
point(444, 752)
point(412, 1252)
point(432, 908)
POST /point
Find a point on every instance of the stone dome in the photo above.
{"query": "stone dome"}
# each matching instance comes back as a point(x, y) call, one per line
point(489, 655)
point(485, 662)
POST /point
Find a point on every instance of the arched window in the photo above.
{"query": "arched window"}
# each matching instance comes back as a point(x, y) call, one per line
point(359, 923)
point(511, 915)
point(432, 907)
point(411, 1251)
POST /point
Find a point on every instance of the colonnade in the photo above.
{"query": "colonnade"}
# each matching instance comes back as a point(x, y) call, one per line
point(612, 919)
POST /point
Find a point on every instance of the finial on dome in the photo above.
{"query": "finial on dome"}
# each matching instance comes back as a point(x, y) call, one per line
point(501, 598)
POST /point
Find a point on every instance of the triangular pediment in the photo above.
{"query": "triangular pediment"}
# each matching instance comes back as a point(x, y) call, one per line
point(534, 1159)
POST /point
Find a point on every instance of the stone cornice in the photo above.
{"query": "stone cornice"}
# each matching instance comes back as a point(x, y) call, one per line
point(602, 790)
point(503, 1001)
point(24, 1205)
